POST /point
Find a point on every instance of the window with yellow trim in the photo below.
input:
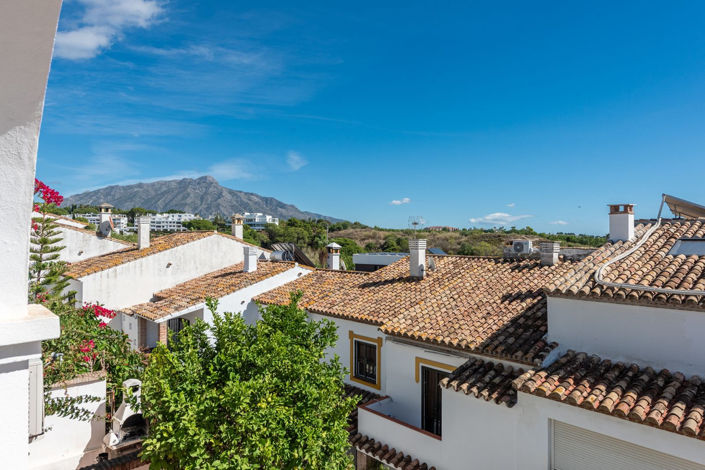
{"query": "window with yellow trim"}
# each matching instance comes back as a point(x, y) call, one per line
point(365, 360)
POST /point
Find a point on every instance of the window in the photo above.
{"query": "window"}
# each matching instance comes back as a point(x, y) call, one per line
point(431, 403)
point(366, 361)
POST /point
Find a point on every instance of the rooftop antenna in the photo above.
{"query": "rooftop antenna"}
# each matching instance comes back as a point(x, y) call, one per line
point(416, 222)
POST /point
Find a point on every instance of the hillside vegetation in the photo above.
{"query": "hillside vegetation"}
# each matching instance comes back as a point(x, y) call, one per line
point(312, 237)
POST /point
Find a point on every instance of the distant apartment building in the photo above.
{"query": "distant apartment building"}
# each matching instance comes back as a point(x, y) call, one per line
point(119, 220)
point(170, 222)
point(257, 220)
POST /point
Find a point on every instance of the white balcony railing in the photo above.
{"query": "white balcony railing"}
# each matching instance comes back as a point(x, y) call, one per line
point(376, 420)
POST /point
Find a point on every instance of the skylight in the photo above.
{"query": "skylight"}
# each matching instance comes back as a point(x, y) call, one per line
point(689, 246)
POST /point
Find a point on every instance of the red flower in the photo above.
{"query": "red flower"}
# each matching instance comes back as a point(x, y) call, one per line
point(47, 194)
point(102, 324)
point(86, 358)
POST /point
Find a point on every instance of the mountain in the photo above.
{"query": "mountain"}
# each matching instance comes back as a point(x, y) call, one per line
point(203, 196)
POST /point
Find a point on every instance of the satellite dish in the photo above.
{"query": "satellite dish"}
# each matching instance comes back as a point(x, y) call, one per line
point(105, 228)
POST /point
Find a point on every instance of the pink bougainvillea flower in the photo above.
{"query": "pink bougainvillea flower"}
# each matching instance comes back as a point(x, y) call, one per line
point(102, 324)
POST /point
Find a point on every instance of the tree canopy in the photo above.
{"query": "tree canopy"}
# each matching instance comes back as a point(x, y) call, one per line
point(233, 395)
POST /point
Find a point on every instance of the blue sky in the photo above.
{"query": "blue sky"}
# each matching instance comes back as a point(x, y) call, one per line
point(467, 113)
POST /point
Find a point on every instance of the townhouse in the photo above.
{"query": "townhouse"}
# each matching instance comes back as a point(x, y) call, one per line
point(545, 362)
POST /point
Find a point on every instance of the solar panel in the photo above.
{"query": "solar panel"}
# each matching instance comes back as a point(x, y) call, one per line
point(682, 208)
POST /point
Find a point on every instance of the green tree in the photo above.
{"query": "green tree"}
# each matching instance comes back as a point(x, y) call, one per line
point(233, 395)
point(199, 224)
point(47, 283)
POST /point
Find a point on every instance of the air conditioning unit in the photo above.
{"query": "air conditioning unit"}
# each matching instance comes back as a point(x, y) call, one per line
point(521, 247)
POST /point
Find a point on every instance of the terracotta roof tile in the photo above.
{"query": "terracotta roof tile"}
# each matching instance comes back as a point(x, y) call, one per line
point(216, 284)
point(650, 265)
point(485, 380)
point(486, 305)
point(157, 245)
point(316, 286)
point(662, 399)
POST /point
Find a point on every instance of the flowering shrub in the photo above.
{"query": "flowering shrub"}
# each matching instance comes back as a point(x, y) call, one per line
point(85, 344)
point(47, 282)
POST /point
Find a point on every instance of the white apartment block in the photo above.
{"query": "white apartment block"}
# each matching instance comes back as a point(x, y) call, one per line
point(258, 220)
point(170, 222)
point(119, 220)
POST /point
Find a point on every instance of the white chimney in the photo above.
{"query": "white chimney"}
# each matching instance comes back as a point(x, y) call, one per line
point(621, 222)
point(549, 253)
point(237, 221)
point(333, 256)
point(251, 255)
point(105, 211)
point(142, 232)
point(417, 258)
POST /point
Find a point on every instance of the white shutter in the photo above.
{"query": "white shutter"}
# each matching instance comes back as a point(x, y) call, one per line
point(579, 449)
point(36, 397)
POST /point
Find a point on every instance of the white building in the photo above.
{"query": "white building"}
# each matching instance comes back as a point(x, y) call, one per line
point(27, 30)
point(233, 287)
point(258, 220)
point(119, 220)
point(168, 222)
point(457, 356)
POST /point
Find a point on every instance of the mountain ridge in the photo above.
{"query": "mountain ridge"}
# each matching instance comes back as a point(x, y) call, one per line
point(203, 196)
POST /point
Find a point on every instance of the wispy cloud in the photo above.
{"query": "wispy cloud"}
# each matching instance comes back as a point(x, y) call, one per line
point(233, 169)
point(499, 218)
point(399, 202)
point(101, 24)
point(511, 204)
point(558, 222)
point(295, 160)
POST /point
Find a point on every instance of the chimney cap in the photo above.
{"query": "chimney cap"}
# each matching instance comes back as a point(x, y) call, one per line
point(105, 204)
point(621, 208)
point(333, 245)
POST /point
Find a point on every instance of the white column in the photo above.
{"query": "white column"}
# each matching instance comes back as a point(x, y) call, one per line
point(27, 30)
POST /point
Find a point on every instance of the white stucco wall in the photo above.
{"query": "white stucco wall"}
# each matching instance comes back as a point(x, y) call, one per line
point(650, 336)
point(27, 30)
point(80, 245)
point(400, 362)
point(237, 302)
point(342, 347)
point(66, 440)
point(137, 281)
point(534, 439)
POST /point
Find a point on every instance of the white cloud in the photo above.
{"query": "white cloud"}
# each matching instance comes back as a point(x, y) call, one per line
point(559, 222)
point(101, 24)
point(511, 204)
point(235, 169)
point(499, 218)
point(295, 160)
point(399, 202)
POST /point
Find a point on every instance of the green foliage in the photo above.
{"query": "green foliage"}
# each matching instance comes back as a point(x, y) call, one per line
point(199, 224)
point(252, 397)
point(128, 237)
point(47, 283)
point(87, 344)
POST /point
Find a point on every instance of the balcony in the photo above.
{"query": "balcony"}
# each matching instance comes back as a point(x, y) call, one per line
point(378, 420)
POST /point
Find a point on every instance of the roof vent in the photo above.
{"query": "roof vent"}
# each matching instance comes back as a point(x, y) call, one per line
point(251, 255)
point(333, 255)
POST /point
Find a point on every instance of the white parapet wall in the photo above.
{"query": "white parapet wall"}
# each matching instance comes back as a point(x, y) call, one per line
point(66, 440)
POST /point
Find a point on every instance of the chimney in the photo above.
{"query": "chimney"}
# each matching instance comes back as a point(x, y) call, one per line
point(417, 258)
point(251, 255)
point(333, 256)
point(549, 253)
point(621, 222)
point(105, 211)
point(237, 220)
point(142, 232)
